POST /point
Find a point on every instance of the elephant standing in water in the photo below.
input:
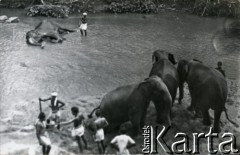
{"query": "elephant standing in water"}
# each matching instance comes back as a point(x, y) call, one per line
point(130, 103)
point(207, 87)
point(163, 66)
point(46, 31)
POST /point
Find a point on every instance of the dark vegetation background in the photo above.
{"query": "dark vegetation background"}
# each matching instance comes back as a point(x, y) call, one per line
point(226, 8)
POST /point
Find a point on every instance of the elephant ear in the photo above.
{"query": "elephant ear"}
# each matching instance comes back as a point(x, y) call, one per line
point(171, 58)
point(154, 59)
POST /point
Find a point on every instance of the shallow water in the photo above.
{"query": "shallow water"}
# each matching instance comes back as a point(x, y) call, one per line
point(116, 51)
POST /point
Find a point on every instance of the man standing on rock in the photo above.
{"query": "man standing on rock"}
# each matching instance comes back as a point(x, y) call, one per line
point(55, 106)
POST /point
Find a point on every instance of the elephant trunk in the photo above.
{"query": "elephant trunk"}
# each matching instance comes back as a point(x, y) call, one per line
point(181, 92)
point(182, 70)
point(90, 115)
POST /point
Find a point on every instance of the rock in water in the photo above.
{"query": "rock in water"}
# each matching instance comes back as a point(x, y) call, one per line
point(3, 18)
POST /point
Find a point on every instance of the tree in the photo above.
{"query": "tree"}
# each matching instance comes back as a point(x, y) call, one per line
point(38, 2)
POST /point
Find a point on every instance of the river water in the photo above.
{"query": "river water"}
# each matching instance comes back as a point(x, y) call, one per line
point(117, 51)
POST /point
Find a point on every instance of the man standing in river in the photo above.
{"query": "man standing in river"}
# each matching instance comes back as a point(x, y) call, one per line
point(55, 106)
point(83, 24)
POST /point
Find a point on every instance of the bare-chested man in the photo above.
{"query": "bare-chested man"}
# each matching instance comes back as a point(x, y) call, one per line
point(42, 134)
point(55, 106)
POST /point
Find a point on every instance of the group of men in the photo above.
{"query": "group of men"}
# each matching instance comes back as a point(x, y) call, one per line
point(121, 142)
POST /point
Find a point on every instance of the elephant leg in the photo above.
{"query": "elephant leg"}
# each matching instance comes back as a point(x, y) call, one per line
point(217, 115)
point(143, 116)
point(195, 107)
point(142, 121)
point(181, 93)
point(135, 129)
point(135, 119)
point(164, 118)
point(190, 108)
point(198, 113)
point(206, 117)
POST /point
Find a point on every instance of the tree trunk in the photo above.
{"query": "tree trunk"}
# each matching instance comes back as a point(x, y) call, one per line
point(38, 2)
point(205, 8)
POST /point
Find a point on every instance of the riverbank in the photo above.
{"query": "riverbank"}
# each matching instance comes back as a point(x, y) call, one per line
point(217, 8)
point(18, 131)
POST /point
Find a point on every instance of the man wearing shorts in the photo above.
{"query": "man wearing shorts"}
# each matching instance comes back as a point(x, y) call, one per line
point(100, 123)
point(83, 24)
point(55, 106)
point(42, 134)
point(78, 128)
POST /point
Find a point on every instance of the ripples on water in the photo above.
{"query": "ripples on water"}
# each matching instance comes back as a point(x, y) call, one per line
point(117, 51)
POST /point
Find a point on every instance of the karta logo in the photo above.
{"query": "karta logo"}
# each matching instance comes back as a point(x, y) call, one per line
point(181, 144)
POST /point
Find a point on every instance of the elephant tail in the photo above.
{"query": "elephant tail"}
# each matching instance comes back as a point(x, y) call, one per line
point(234, 123)
point(90, 115)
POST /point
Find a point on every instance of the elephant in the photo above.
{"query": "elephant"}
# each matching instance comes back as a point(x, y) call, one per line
point(207, 87)
point(46, 31)
point(163, 66)
point(130, 103)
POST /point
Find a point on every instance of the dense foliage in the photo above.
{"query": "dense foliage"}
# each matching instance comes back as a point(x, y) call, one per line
point(59, 11)
point(129, 6)
point(229, 8)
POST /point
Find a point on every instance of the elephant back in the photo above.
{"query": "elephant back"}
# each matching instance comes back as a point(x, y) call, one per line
point(167, 71)
point(46, 26)
point(114, 105)
point(207, 84)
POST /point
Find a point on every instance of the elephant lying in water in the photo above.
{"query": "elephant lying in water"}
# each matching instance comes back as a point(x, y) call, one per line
point(46, 31)
point(130, 103)
point(207, 87)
